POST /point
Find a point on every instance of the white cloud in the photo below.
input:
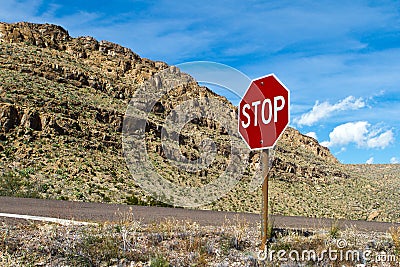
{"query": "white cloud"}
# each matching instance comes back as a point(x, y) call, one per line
point(325, 109)
point(381, 141)
point(360, 133)
point(347, 133)
point(394, 160)
point(312, 134)
point(370, 160)
point(325, 143)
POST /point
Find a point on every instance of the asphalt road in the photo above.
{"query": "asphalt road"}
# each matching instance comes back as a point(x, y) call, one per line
point(100, 212)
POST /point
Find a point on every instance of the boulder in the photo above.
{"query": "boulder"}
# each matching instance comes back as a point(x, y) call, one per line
point(31, 119)
point(9, 117)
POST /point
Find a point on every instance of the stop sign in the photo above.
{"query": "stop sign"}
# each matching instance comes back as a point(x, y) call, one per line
point(264, 112)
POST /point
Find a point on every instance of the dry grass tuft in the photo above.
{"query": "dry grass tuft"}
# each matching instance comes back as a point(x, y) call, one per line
point(395, 234)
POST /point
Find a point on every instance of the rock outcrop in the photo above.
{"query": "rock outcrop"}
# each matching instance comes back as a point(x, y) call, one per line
point(9, 117)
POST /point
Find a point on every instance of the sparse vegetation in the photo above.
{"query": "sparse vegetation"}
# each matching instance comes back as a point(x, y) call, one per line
point(159, 261)
point(20, 184)
point(395, 234)
point(128, 242)
point(335, 229)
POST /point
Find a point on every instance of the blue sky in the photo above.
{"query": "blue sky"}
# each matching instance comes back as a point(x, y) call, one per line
point(340, 59)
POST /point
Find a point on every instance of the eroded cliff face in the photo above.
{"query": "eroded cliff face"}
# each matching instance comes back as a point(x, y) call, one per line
point(81, 61)
point(62, 105)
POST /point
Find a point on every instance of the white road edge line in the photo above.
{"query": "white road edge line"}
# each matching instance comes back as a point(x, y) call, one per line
point(45, 219)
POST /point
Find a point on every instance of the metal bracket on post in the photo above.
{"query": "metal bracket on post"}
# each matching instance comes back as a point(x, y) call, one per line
point(264, 212)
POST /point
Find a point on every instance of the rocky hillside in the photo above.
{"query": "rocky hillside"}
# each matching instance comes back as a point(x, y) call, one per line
point(62, 105)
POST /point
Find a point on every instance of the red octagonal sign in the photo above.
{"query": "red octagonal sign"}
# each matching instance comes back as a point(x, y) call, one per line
point(264, 112)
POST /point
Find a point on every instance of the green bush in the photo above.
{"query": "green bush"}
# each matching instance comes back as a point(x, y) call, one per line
point(159, 261)
point(17, 184)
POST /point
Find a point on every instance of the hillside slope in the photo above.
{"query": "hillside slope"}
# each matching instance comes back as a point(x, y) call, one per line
point(62, 105)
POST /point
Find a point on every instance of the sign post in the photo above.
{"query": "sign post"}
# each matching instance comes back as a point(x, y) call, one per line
point(263, 117)
point(264, 222)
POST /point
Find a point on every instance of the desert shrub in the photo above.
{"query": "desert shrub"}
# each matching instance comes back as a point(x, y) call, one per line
point(334, 229)
point(18, 184)
point(10, 184)
point(395, 234)
point(159, 261)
